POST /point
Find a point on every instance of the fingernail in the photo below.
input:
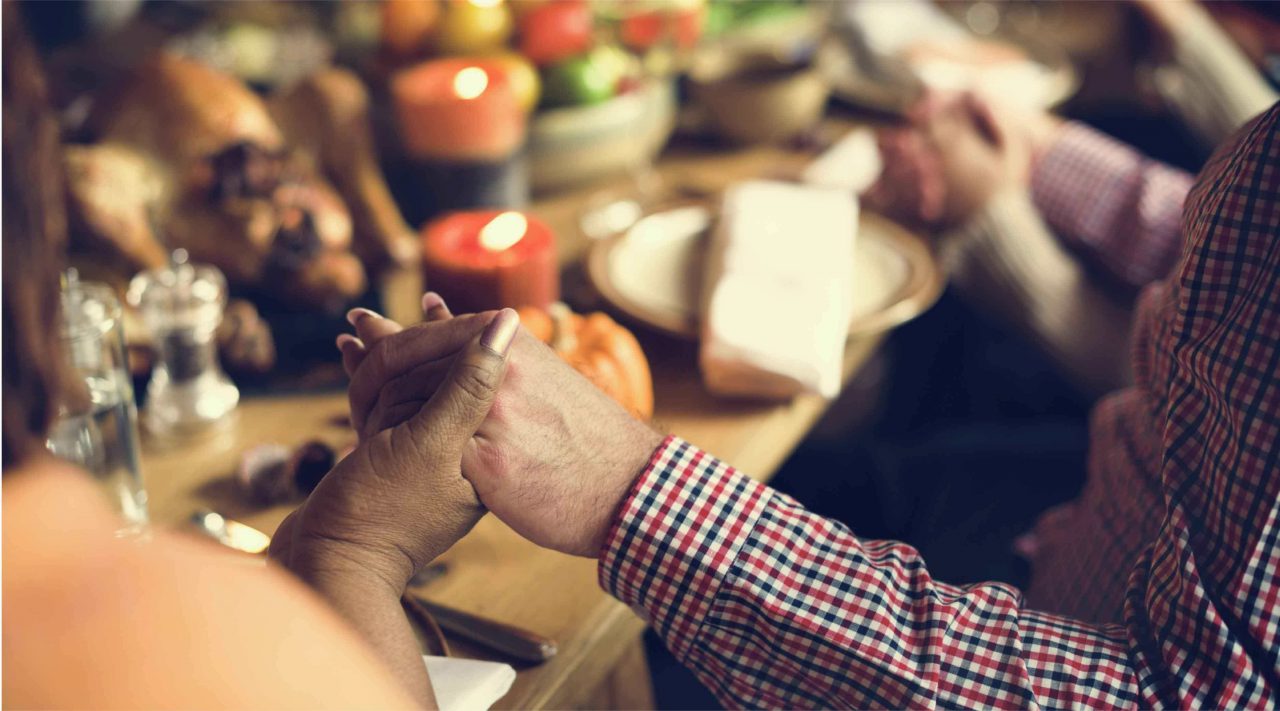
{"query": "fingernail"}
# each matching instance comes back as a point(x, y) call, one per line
point(500, 332)
point(431, 300)
point(354, 315)
point(346, 339)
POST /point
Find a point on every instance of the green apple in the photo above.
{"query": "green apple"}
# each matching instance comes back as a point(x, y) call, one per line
point(587, 78)
point(577, 81)
point(614, 61)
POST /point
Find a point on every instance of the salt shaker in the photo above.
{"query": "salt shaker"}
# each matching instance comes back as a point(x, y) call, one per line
point(182, 305)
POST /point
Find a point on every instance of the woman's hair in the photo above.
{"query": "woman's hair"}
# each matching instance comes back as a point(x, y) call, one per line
point(35, 236)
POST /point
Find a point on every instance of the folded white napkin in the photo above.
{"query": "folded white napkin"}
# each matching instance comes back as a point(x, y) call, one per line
point(468, 684)
point(853, 163)
point(778, 290)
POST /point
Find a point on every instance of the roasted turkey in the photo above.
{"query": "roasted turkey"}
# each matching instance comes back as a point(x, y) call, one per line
point(283, 195)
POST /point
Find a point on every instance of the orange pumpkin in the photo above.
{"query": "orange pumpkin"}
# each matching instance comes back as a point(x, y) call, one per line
point(596, 346)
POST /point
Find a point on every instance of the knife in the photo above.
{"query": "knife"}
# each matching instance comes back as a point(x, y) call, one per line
point(510, 640)
point(229, 532)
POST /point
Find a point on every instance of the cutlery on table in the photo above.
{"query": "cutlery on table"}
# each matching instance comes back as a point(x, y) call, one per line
point(512, 641)
point(229, 532)
point(515, 642)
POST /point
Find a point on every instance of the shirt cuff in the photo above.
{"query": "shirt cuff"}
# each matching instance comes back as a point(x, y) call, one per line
point(677, 538)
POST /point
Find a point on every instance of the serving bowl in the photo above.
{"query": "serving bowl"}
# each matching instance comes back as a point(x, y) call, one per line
point(573, 145)
point(758, 96)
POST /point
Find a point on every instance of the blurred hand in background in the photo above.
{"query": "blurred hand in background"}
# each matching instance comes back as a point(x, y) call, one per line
point(955, 152)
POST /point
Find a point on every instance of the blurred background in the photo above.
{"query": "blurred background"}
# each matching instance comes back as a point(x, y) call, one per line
point(318, 155)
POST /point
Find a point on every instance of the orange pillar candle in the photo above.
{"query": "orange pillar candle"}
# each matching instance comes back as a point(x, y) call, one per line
point(463, 132)
point(457, 109)
point(491, 259)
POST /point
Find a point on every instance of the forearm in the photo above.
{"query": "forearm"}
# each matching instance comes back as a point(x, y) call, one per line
point(773, 606)
point(373, 609)
point(1008, 262)
point(366, 592)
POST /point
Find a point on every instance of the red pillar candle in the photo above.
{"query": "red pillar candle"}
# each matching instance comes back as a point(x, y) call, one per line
point(491, 259)
point(457, 109)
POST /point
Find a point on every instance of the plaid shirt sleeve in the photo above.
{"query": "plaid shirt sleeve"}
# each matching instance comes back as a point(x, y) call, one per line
point(1103, 197)
point(773, 606)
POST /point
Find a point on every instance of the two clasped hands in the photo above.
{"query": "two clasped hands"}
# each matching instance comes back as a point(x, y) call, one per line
point(456, 415)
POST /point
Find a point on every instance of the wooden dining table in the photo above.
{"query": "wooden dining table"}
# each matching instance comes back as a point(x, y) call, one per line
point(493, 572)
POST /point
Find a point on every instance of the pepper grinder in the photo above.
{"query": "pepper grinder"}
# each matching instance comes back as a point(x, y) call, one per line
point(182, 305)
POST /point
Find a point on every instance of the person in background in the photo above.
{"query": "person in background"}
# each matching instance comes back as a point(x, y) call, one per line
point(1051, 224)
point(92, 621)
point(773, 606)
point(1052, 227)
point(1047, 230)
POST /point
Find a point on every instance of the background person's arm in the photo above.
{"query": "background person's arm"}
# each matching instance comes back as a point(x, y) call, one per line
point(1008, 262)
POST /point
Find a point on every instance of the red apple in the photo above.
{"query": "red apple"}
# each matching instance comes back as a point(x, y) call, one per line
point(556, 31)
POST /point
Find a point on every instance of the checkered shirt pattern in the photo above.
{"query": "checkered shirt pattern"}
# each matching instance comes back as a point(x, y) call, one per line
point(773, 606)
point(1111, 202)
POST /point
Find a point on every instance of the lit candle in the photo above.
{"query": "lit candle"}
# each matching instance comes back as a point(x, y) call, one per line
point(463, 130)
point(491, 259)
point(458, 109)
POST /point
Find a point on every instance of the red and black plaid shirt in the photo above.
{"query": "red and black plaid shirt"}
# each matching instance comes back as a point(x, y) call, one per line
point(773, 606)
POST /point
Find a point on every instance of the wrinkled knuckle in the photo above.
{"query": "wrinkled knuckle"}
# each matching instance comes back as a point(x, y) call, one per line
point(476, 381)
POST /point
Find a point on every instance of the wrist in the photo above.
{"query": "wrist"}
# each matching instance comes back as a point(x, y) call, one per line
point(337, 585)
point(645, 447)
point(331, 565)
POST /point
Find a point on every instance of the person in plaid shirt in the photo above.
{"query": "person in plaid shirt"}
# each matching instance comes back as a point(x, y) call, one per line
point(773, 606)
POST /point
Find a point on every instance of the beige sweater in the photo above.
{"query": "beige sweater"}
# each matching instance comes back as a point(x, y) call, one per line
point(1209, 81)
point(1009, 263)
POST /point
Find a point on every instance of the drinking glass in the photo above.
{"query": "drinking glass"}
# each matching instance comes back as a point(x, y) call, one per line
point(96, 425)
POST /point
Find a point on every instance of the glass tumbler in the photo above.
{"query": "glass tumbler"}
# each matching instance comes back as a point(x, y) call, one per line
point(96, 422)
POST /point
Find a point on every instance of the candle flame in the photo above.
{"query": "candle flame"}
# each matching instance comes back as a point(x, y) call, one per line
point(470, 82)
point(503, 231)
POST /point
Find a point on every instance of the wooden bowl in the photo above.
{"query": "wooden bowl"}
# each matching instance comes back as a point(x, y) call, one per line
point(758, 97)
point(577, 144)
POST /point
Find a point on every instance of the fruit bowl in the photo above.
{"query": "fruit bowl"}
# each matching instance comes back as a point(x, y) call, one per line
point(573, 145)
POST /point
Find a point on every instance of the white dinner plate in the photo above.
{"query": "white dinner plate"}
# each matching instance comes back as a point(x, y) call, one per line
point(653, 272)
